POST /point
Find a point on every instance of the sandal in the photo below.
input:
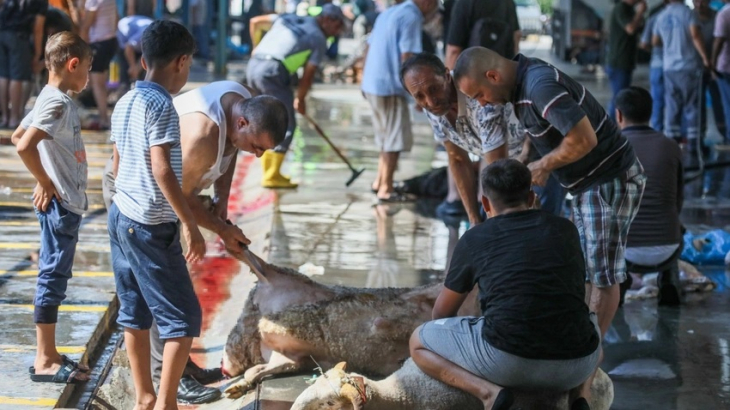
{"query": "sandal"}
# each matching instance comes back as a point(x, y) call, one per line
point(66, 374)
point(396, 197)
point(66, 362)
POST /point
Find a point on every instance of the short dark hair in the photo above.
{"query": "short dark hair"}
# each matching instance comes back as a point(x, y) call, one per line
point(635, 104)
point(506, 183)
point(164, 41)
point(64, 46)
point(266, 114)
point(419, 61)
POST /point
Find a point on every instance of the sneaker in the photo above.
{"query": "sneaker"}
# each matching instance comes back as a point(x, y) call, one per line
point(190, 391)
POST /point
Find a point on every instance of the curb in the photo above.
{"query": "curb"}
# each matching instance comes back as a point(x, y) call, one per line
point(94, 348)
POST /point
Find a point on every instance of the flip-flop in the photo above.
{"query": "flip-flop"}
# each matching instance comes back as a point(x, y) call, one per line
point(66, 361)
point(66, 374)
point(396, 197)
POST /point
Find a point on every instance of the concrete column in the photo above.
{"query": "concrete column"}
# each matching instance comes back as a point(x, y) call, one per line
point(220, 40)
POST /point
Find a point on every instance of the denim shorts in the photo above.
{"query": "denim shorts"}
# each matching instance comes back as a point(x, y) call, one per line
point(59, 235)
point(152, 278)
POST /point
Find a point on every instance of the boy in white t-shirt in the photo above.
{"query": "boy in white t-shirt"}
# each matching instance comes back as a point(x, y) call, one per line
point(49, 142)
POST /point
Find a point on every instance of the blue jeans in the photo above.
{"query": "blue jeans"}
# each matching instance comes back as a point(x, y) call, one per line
point(551, 196)
point(723, 83)
point(59, 235)
point(619, 78)
point(682, 91)
point(152, 278)
point(656, 79)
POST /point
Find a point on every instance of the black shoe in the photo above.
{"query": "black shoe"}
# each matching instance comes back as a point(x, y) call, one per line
point(580, 404)
point(203, 376)
point(191, 392)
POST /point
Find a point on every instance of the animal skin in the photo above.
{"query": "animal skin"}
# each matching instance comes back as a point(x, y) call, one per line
point(411, 389)
point(288, 317)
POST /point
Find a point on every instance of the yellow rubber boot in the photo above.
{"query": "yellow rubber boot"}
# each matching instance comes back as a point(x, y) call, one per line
point(271, 162)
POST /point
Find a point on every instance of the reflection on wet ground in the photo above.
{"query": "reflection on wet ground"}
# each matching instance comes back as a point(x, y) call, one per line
point(658, 358)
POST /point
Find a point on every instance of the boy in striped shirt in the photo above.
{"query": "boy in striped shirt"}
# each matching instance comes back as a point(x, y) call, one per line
point(148, 214)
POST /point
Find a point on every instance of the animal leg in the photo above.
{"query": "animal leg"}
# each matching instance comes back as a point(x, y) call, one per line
point(278, 363)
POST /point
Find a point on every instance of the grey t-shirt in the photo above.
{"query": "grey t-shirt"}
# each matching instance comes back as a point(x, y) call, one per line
point(294, 41)
point(672, 26)
point(62, 154)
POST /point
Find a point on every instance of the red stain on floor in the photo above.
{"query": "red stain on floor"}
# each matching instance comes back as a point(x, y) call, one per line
point(211, 280)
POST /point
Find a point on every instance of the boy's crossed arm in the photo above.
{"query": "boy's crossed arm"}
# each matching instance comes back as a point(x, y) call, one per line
point(26, 142)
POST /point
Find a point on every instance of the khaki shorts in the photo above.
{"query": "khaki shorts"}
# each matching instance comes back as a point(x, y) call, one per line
point(392, 122)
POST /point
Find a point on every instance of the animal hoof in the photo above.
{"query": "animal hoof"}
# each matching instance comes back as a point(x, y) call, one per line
point(238, 389)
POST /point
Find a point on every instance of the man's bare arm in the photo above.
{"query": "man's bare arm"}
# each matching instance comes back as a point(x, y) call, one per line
point(716, 49)
point(258, 25)
point(222, 189)
point(463, 172)
point(452, 54)
point(699, 44)
point(447, 304)
point(305, 84)
point(496, 154)
point(635, 24)
point(38, 36)
point(656, 41)
point(577, 144)
point(86, 23)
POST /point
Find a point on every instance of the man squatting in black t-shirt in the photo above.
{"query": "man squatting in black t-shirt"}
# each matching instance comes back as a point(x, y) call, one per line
point(536, 330)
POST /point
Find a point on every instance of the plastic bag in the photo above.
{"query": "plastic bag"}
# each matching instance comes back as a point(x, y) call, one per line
point(709, 248)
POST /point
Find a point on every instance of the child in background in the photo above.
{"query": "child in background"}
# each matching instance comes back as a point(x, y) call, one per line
point(149, 267)
point(99, 28)
point(49, 142)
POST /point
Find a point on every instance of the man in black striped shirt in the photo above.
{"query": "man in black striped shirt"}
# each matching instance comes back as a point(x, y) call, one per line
point(576, 140)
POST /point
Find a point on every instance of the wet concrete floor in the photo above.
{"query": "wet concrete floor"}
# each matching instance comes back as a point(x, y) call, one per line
point(658, 358)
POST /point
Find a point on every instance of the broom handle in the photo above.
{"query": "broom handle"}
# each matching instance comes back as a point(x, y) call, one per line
point(322, 134)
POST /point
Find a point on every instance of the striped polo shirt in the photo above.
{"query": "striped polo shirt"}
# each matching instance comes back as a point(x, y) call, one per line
point(143, 118)
point(549, 104)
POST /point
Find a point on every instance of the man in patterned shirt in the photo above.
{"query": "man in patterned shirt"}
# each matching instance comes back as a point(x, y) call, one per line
point(464, 127)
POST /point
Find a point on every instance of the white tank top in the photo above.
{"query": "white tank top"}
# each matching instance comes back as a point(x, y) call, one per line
point(207, 100)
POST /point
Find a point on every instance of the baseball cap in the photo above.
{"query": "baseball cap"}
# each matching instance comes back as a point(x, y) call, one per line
point(330, 10)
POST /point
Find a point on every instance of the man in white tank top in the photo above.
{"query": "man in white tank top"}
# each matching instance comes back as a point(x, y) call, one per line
point(216, 121)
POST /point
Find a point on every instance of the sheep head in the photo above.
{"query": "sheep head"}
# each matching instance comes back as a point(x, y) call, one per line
point(332, 391)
